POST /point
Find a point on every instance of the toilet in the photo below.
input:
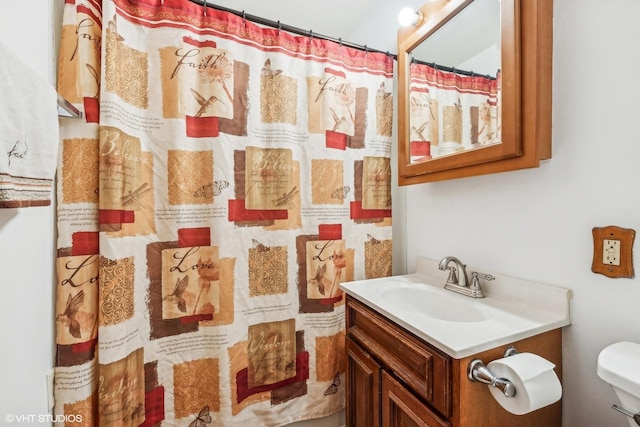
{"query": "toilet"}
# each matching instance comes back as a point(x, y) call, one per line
point(619, 365)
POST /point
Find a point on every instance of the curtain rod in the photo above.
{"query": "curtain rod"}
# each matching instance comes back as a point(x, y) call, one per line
point(451, 69)
point(288, 28)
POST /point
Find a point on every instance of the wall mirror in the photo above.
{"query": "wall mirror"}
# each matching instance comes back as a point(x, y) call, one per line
point(474, 85)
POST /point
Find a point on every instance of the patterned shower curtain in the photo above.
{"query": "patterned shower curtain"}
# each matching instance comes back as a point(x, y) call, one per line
point(224, 180)
point(451, 112)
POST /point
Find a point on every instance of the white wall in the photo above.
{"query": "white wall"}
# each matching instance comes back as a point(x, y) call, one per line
point(536, 224)
point(27, 246)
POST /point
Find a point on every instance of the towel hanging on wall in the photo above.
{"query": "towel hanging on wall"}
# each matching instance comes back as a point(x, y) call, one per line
point(28, 134)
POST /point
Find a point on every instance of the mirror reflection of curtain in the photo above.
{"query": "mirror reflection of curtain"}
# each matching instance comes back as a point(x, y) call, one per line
point(451, 112)
point(226, 179)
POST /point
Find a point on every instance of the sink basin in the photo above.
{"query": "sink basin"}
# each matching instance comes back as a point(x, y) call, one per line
point(512, 309)
point(435, 303)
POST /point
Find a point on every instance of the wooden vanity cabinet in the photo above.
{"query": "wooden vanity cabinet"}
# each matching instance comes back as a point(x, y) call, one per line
point(395, 379)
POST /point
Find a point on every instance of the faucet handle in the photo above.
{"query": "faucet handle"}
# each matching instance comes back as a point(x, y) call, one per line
point(453, 276)
point(475, 276)
point(482, 276)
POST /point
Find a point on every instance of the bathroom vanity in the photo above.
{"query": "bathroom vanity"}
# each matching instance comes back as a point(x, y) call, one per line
point(407, 367)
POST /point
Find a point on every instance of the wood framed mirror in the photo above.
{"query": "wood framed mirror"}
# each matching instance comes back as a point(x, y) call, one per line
point(474, 99)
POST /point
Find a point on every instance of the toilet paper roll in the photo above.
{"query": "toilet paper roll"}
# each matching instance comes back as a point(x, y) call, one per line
point(537, 385)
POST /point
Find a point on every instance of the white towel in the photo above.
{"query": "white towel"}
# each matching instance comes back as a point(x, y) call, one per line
point(29, 134)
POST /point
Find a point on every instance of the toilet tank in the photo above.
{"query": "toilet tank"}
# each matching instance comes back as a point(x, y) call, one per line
point(619, 365)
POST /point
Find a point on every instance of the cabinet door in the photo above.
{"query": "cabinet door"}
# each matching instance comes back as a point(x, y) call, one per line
point(362, 387)
point(420, 367)
point(400, 408)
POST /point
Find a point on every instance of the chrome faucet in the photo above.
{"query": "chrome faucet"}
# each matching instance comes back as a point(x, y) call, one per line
point(458, 280)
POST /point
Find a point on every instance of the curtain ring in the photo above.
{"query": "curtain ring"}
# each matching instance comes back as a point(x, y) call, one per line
point(279, 27)
point(366, 50)
point(205, 7)
point(311, 34)
point(244, 19)
point(340, 41)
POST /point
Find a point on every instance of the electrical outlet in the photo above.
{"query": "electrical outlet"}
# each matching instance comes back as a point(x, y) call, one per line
point(611, 252)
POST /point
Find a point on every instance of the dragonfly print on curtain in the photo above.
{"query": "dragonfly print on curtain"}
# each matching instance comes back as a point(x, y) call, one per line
point(225, 179)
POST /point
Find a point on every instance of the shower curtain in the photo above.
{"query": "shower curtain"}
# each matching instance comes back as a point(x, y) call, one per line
point(450, 112)
point(224, 180)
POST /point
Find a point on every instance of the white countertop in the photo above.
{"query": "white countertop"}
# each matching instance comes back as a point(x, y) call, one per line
point(513, 309)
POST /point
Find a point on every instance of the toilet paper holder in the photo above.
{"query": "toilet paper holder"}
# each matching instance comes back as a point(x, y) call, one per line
point(478, 371)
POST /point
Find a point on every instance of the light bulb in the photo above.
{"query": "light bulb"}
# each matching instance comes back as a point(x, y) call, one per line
point(408, 17)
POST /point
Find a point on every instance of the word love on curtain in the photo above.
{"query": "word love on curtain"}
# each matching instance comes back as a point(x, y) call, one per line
point(225, 180)
point(450, 112)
